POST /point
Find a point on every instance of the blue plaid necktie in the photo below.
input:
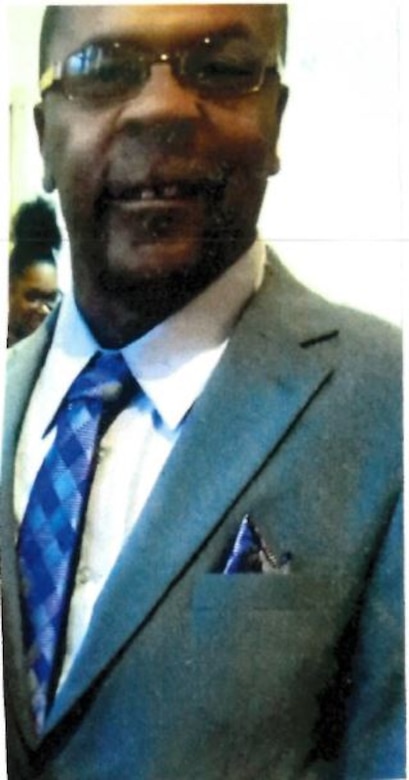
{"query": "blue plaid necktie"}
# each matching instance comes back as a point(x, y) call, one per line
point(49, 541)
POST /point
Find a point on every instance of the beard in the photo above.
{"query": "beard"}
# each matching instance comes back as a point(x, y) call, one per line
point(142, 265)
point(187, 257)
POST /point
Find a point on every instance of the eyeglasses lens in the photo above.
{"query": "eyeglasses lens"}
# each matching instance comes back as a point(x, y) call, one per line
point(102, 73)
point(223, 69)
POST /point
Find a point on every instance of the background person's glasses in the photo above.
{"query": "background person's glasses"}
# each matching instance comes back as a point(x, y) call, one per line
point(105, 72)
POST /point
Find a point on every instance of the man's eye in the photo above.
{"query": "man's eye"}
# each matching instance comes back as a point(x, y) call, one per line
point(227, 68)
point(108, 73)
point(124, 71)
point(103, 75)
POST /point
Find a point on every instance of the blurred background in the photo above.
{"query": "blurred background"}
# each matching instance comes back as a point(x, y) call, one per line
point(335, 213)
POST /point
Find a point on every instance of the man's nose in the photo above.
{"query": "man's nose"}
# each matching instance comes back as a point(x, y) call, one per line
point(162, 100)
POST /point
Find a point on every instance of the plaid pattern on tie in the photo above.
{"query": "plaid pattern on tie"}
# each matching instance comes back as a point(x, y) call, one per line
point(49, 541)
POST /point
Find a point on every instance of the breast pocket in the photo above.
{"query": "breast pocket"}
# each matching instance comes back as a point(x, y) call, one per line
point(256, 636)
point(258, 592)
point(239, 613)
point(242, 610)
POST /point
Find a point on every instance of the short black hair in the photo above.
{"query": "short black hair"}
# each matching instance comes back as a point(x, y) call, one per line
point(52, 13)
point(35, 235)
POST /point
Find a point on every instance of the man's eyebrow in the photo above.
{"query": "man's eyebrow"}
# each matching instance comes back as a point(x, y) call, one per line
point(231, 31)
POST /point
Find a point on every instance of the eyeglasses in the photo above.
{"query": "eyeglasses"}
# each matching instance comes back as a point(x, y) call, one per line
point(104, 72)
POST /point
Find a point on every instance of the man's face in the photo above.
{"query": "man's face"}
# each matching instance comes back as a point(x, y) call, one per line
point(167, 182)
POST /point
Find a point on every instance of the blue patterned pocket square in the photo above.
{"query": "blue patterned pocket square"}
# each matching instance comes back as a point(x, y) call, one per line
point(250, 553)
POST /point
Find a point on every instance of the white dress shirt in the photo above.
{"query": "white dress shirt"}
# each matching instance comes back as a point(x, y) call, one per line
point(172, 363)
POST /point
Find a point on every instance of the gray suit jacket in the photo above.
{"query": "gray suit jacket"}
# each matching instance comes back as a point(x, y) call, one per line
point(189, 674)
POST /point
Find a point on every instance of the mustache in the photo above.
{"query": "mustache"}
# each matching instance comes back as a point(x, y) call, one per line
point(130, 176)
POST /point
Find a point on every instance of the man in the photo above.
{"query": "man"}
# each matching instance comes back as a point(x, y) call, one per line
point(231, 605)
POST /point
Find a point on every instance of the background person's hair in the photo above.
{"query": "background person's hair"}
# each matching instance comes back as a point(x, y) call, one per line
point(35, 235)
point(52, 14)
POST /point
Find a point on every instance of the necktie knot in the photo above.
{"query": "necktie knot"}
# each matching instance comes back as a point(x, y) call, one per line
point(104, 379)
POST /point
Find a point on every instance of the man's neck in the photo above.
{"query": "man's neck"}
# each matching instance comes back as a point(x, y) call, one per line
point(118, 315)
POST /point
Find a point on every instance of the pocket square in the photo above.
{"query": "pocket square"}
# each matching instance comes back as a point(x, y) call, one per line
point(250, 553)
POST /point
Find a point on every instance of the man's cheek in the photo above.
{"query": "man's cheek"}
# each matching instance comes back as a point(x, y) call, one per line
point(75, 160)
point(241, 132)
point(78, 190)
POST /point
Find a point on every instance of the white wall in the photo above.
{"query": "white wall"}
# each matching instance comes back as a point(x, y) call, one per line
point(335, 212)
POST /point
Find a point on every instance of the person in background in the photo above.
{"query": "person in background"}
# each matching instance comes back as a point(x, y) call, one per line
point(33, 282)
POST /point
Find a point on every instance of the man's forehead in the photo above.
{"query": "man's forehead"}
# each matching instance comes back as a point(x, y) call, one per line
point(163, 24)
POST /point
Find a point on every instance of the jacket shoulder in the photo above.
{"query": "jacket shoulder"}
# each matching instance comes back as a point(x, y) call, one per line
point(362, 340)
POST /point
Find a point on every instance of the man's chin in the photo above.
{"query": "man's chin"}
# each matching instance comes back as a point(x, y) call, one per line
point(191, 261)
point(149, 263)
point(155, 274)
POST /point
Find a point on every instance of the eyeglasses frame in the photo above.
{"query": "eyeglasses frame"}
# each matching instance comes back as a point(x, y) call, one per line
point(54, 73)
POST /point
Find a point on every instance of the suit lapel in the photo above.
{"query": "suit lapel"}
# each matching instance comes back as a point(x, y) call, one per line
point(266, 378)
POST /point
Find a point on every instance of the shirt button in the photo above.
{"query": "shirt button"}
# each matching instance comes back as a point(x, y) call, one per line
point(84, 575)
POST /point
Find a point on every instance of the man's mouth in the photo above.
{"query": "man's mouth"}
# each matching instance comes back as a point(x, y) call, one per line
point(169, 191)
point(164, 206)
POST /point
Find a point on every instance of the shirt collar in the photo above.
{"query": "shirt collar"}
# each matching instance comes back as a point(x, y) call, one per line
point(174, 360)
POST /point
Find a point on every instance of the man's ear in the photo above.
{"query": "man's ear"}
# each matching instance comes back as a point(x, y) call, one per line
point(274, 164)
point(39, 119)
